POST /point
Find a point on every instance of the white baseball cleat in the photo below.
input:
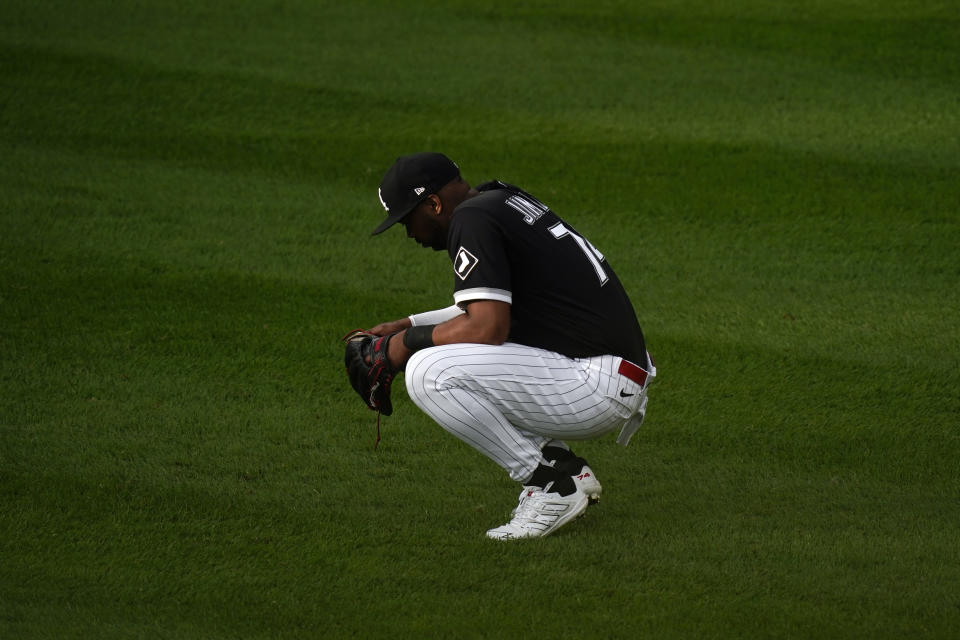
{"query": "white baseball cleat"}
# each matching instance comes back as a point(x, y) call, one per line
point(539, 514)
point(587, 482)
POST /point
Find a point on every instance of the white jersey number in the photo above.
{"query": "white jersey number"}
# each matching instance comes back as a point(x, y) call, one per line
point(595, 257)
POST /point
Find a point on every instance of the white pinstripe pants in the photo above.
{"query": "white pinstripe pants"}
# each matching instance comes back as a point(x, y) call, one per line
point(508, 401)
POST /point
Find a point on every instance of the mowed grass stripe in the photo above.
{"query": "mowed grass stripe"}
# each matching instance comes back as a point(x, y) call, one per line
point(185, 209)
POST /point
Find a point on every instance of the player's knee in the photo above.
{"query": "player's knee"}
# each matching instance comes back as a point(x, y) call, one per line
point(418, 377)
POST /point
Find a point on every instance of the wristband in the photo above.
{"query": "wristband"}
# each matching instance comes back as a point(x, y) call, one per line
point(419, 337)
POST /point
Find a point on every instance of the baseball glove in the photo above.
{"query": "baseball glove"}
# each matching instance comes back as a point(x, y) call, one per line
point(369, 369)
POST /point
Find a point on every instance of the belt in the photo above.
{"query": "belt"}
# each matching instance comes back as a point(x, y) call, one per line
point(633, 372)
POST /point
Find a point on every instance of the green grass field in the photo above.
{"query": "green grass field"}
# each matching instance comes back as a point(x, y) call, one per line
point(186, 195)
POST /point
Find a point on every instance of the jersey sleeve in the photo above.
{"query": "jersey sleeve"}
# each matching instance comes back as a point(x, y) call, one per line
point(478, 251)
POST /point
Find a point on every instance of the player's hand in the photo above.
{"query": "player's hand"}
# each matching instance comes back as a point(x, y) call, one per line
point(386, 328)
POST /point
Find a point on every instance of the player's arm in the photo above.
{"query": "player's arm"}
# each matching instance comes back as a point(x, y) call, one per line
point(427, 317)
point(483, 322)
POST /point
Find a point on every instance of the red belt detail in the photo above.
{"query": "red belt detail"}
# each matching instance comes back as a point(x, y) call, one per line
point(629, 370)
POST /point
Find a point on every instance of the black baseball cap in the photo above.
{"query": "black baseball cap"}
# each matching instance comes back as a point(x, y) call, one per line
point(410, 180)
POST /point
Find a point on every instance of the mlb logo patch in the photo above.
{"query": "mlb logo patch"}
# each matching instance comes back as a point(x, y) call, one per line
point(464, 263)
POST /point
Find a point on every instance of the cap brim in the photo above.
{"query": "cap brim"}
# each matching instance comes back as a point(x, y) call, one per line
point(392, 219)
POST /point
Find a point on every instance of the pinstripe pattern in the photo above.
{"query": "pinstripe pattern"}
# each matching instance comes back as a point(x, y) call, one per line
point(507, 401)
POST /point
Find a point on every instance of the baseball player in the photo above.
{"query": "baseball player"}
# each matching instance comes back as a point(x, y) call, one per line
point(540, 347)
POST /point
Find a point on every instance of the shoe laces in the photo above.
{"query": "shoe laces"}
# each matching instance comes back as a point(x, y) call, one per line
point(531, 503)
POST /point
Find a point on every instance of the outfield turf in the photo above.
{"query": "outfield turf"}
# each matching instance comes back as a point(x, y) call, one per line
point(186, 195)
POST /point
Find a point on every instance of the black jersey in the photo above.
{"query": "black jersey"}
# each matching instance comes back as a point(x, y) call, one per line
point(506, 245)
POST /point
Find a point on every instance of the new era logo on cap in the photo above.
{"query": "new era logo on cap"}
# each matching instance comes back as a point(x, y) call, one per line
point(419, 190)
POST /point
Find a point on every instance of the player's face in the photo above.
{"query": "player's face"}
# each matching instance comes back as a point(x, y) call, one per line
point(426, 228)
